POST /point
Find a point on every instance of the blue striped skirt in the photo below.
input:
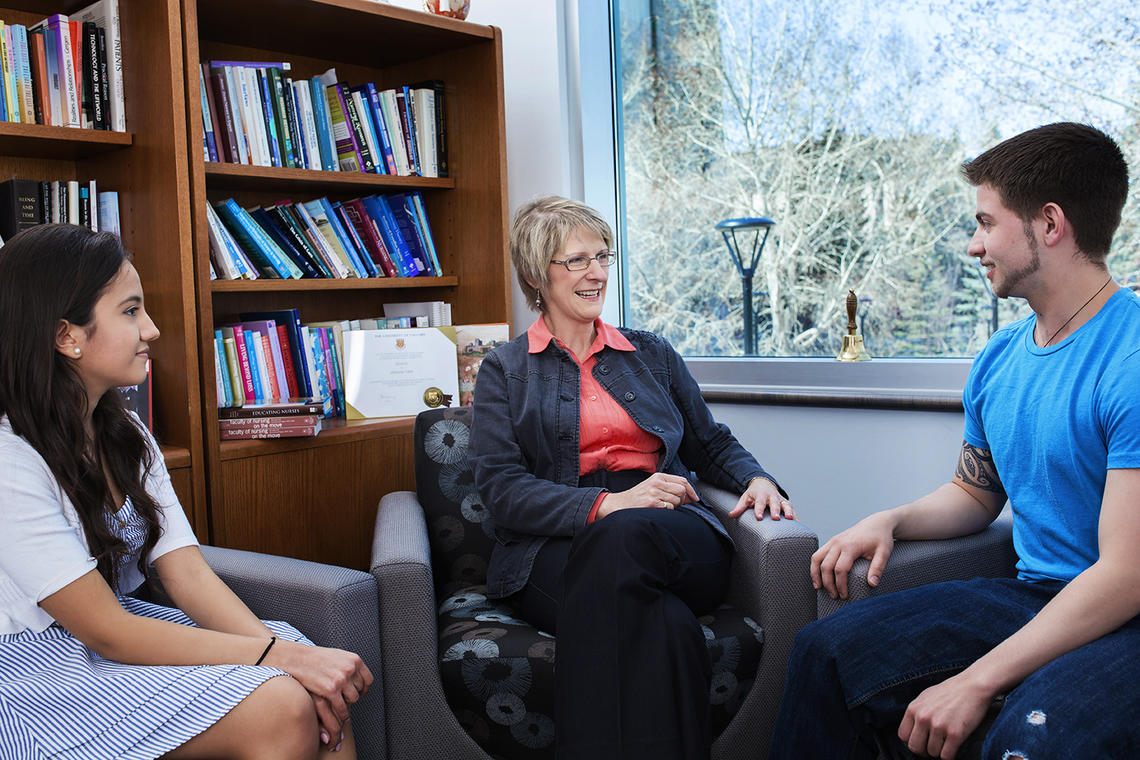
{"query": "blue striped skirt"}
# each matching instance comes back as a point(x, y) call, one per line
point(60, 700)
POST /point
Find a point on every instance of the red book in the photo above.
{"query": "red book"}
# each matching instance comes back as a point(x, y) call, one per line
point(241, 433)
point(76, 30)
point(274, 410)
point(274, 390)
point(287, 360)
point(365, 227)
point(39, 74)
point(269, 423)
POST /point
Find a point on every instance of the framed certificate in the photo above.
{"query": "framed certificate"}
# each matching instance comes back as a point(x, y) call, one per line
point(394, 373)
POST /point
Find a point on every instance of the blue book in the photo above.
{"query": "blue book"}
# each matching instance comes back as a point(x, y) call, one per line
point(291, 318)
point(357, 243)
point(338, 372)
point(375, 209)
point(405, 215)
point(270, 125)
point(345, 241)
point(425, 228)
point(324, 125)
point(317, 364)
point(254, 241)
point(405, 93)
point(302, 157)
point(377, 115)
point(262, 218)
point(207, 123)
point(415, 264)
point(254, 369)
point(222, 365)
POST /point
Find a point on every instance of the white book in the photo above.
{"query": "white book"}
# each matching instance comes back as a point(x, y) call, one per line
point(257, 114)
point(105, 14)
point(249, 124)
point(220, 255)
point(423, 103)
point(72, 202)
point(307, 124)
point(371, 139)
point(314, 375)
point(395, 132)
point(237, 113)
point(93, 202)
point(109, 211)
point(69, 88)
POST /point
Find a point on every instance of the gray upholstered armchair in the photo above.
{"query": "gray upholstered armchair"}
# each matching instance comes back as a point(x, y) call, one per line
point(464, 678)
point(986, 554)
point(333, 606)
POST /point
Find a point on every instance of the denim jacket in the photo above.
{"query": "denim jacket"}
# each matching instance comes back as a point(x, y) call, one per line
point(524, 441)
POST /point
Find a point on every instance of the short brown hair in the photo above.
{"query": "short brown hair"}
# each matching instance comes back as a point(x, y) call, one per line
point(539, 232)
point(1076, 166)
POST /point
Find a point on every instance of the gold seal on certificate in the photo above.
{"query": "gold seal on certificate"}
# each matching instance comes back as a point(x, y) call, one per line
point(434, 397)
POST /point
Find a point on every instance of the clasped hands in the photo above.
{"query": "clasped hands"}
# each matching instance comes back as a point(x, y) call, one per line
point(663, 491)
point(333, 677)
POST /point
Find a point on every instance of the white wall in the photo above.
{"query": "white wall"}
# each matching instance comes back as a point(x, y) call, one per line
point(837, 464)
point(537, 114)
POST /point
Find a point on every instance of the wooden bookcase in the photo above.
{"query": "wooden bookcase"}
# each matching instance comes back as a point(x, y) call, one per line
point(148, 167)
point(316, 498)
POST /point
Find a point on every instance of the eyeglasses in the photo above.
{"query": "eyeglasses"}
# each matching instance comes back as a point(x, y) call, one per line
point(577, 263)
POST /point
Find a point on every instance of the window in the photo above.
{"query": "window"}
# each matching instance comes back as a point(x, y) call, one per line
point(845, 124)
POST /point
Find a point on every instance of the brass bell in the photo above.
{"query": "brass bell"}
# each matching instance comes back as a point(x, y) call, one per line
point(852, 349)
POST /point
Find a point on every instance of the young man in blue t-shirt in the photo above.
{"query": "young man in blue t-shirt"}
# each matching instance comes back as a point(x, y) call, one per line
point(1053, 424)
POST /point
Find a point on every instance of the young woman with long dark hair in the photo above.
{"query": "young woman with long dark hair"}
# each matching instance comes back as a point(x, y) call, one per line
point(86, 508)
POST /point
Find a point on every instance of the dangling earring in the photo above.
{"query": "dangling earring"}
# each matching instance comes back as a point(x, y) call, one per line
point(538, 300)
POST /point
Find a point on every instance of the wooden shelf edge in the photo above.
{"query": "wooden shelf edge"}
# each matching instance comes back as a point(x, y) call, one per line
point(176, 457)
point(263, 285)
point(40, 141)
point(226, 176)
point(334, 432)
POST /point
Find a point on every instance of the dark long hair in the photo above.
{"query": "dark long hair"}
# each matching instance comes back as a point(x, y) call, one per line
point(58, 272)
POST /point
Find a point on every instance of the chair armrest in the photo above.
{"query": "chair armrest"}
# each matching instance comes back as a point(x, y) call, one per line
point(333, 606)
point(988, 553)
point(771, 584)
point(420, 724)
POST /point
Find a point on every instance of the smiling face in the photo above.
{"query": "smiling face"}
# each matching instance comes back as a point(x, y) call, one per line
point(576, 298)
point(1005, 245)
point(113, 348)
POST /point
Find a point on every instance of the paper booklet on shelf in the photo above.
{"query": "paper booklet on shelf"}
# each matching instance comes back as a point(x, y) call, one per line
point(395, 373)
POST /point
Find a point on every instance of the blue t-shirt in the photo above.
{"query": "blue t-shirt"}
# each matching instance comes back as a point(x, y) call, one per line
point(1056, 420)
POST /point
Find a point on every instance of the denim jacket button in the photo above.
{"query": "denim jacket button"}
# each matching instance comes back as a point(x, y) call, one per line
point(604, 369)
point(630, 396)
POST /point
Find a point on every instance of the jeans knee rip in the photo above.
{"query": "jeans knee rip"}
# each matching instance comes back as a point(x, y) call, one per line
point(1011, 754)
point(1035, 718)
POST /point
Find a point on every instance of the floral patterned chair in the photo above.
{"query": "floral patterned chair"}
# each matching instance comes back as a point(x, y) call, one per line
point(465, 678)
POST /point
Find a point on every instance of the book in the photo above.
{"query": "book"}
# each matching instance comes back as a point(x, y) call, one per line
point(247, 432)
point(268, 423)
point(273, 358)
point(307, 120)
point(222, 105)
point(472, 344)
point(326, 141)
point(357, 243)
point(209, 121)
point(347, 151)
point(440, 123)
point(423, 106)
point(346, 242)
point(290, 319)
point(20, 206)
point(284, 242)
point(42, 91)
point(395, 129)
point(105, 15)
point(368, 233)
point(269, 117)
point(7, 67)
point(361, 127)
point(293, 407)
point(221, 370)
point(287, 222)
point(404, 212)
point(332, 259)
point(275, 81)
point(389, 229)
point(109, 211)
point(314, 213)
point(408, 125)
point(104, 84)
point(425, 228)
point(92, 103)
point(255, 242)
point(60, 29)
point(23, 74)
point(377, 115)
point(138, 398)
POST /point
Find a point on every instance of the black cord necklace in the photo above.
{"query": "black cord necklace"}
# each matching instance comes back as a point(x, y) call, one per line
point(1078, 311)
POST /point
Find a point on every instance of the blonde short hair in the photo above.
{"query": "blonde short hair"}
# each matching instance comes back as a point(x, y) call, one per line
point(539, 233)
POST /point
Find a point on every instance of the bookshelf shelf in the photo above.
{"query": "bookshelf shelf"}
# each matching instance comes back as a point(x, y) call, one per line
point(333, 432)
point(265, 285)
point(315, 498)
point(232, 177)
point(39, 141)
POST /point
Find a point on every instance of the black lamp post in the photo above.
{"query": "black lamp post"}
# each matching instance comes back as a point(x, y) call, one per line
point(759, 227)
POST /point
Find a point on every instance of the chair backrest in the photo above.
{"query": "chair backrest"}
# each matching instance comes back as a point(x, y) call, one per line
point(459, 527)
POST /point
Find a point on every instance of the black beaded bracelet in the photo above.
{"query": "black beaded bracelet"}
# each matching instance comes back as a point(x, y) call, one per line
point(272, 641)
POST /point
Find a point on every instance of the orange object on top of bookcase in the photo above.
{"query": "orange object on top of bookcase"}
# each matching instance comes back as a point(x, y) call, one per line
point(316, 498)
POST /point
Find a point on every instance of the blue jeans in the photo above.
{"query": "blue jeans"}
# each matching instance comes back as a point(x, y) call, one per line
point(852, 674)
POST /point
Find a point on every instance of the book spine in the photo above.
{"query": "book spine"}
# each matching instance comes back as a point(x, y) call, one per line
point(357, 243)
point(257, 366)
point(109, 211)
point(263, 219)
point(425, 229)
point(265, 354)
point(381, 129)
point(358, 122)
point(226, 117)
point(39, 76)
point(407, 124)
point(209, 122)
point(269, 424)
point(276, 83)
point(288, 224)
point(226, 397)
point(404, 215)
point(326, 143)
point(241, 435)
point(347, 152)
point(92, 108)
point(104, 92)
point(285, 410)
point(236, 96)
point(255, 240)
point(343, 238)
point(252, 118)
point(24, 73)
point(308, 227)
point(293, 122)
point(392, 228)
point(307, 123)
point(269, 117)
point(395, 131)
point(329, 365)
point(287, 361)
point(358, 217)
point(11, 112)
point(316, 365)
point(244, 363)
point(237, 377)
point(68, 86)
point(314, 216)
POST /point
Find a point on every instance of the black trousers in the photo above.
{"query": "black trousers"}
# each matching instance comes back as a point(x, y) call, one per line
point(632, 670)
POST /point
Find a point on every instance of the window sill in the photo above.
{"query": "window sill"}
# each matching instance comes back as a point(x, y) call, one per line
point(908, 384)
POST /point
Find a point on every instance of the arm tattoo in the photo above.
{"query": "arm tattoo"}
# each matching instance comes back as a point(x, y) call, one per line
point(976, 468)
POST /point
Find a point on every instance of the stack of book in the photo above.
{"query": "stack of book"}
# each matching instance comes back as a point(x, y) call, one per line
point(25, 203)
point(64, 71)
point(375, 236)
point(254, 112)
point(298, 418)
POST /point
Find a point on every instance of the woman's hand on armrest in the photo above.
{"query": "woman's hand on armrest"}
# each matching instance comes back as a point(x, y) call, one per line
point(659, 491)
point(762, 494)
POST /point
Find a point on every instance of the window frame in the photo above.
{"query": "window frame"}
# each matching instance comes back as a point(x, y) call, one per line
point(598, 174)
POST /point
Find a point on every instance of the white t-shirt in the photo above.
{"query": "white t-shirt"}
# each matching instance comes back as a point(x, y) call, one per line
point(42, 543)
